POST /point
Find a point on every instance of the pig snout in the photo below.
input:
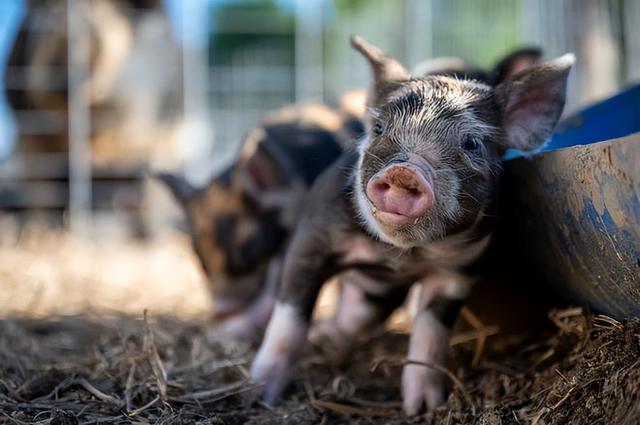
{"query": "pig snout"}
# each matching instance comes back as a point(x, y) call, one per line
point(400, 194)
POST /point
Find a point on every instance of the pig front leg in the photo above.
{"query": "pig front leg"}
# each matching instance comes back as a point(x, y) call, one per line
point(285, 336)
point(251, 323)
point(358, 311)
point(442, 296)
point(304, 274)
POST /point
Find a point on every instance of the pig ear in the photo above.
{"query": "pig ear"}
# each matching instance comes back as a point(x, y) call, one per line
point(266, 180)
point(260, 168)
point(514, 63)
point(386, 70)
point(181, 189)
point(532, 101)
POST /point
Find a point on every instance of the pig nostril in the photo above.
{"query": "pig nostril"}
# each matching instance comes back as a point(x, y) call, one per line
point(400, 191)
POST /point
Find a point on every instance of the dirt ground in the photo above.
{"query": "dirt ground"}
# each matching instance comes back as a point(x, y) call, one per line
point(80, 351)
point(46, 273)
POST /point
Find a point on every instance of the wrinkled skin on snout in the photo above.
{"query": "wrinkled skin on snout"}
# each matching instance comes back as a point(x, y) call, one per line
point(411, 206)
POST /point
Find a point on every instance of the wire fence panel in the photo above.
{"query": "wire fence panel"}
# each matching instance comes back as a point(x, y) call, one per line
point(154, 104)
point(96, 97)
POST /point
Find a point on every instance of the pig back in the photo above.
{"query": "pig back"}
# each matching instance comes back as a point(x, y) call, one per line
point(308, 138)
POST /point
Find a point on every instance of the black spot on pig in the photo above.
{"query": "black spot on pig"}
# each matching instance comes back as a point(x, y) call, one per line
point(225, 229)
point(310, 150)
point(410, 103)
point(514, 63)
point(248, 246)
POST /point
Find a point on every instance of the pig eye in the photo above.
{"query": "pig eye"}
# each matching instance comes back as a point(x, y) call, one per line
point(377, 129)
point(471, 144)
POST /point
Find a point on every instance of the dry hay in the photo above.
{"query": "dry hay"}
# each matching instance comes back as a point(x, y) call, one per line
point(123, 369)
point(106, 364)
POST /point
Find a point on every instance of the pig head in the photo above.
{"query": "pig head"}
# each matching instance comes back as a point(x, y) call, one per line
point(430, 163)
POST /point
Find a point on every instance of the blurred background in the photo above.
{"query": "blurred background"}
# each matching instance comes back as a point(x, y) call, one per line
point(97, 93)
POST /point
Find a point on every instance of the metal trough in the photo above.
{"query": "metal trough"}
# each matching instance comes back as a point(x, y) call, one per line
point(571, 213)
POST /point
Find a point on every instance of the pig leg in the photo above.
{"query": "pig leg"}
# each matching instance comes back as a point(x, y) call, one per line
point(285, 336)
point(358, 311)
point(441, 298)
point(305, 271)
point(252, 323)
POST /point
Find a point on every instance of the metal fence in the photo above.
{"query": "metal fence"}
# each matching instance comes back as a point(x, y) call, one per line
point(269, 72)
point(96, 103)
point(258, 55)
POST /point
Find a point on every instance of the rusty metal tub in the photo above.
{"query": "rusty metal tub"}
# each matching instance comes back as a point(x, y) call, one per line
point(571, 214)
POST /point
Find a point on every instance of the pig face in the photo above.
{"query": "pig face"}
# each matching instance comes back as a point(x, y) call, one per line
point(427, 168)
point(233, 231)
point(429, 162)
point(234, 238)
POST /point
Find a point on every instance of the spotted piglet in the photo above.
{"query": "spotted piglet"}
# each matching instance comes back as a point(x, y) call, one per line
point(411, 205)
point(242, 219)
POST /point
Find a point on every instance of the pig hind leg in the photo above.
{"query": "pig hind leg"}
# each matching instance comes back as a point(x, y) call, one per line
point(252, 323)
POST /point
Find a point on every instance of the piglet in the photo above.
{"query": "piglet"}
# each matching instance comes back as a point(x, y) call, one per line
point(241, 220)
point(409, 205)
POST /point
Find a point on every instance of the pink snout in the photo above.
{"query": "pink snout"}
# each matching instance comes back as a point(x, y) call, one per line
point(400, 194)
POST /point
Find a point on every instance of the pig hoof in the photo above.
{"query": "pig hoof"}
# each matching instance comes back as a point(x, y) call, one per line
point(421, 387)
point(271, 373)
